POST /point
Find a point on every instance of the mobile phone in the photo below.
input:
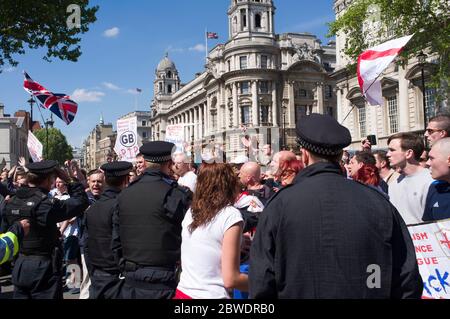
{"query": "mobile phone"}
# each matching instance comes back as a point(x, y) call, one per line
point(372, 139)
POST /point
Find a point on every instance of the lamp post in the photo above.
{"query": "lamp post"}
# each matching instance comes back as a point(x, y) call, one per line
point(48, 123)
point(31, 102)
point(284, 107)
point(422, 57)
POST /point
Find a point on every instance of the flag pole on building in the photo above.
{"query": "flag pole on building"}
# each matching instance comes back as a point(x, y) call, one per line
point(206, 46)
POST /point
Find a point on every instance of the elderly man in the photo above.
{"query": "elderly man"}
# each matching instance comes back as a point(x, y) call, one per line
point(438, 200)
point(438, 128)
point(182, 169)
point(311, 240)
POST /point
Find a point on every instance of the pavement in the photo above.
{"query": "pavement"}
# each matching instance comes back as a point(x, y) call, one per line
point(7, 289)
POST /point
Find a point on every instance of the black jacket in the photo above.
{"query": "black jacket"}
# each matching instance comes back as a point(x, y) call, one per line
point(147, 221)
point(322, 237)
point(99, 231)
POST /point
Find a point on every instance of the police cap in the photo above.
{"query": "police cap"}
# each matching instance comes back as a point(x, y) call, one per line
point(322, 134)
point(43, 167)
point(157, 152)
point(117, 169)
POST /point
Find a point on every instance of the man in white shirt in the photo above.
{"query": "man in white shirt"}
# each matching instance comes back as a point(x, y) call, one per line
point(182, 168)
point(409, 193)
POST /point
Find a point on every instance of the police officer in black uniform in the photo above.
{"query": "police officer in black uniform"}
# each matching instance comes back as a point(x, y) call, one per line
point(37, 273)
point(104, 270)
point(147, 227)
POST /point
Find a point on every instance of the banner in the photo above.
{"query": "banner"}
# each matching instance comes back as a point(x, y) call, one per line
point(432, 244)
point(175, 135)
point(34, 147)
point(127, 143)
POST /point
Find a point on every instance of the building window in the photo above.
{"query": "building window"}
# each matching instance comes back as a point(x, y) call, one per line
point(169, 88)
point(160, 87)
point(257, 21)
point(430, 103)
point(301, 94)
point(214, 120)
point(245, 88)
point(264, 87)
point(392, 114)
point(328, 91)
point(243, 62)
point(244, 18)
point(330, 111)
point(169, 75)
point(300, 111)
point(245, 114)
point(362, 121)
point(144, 134)
point(144, 123)
point(229, 65)
point(263, 61)
point(265, 111)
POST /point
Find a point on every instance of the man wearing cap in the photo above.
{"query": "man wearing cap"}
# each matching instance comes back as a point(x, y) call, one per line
point(104, 271)
point(37, 273)
point(328, 237)
point(147, 227)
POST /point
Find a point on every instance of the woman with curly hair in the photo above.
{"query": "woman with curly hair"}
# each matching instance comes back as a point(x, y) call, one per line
point(211, 238)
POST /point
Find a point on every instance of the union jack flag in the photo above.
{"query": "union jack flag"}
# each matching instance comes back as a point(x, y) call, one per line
point(212, 35)
point(60, 104)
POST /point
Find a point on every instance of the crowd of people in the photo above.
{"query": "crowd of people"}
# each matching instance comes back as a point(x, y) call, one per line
point(286, 225)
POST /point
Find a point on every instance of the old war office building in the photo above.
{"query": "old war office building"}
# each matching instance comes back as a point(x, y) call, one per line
point(258, 82)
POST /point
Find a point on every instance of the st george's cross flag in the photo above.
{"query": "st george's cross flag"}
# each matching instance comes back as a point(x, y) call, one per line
point(372, 62)
point(59, 104)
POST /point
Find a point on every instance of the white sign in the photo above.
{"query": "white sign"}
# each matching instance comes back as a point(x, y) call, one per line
point(127, 143)
point(432, 244)
point(175, 135)
point(34, 147)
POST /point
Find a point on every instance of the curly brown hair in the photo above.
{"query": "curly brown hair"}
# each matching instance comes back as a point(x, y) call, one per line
point(217, 187)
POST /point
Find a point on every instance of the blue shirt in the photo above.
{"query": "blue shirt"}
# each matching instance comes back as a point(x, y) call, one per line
point(438, 202)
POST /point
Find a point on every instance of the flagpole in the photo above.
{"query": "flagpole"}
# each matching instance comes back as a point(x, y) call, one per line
point(206, 46)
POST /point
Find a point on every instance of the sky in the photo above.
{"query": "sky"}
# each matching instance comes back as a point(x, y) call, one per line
point(123, 48)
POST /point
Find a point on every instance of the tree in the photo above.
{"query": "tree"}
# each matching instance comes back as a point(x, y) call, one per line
point(53, 24)
point(58, 148)
point(428, 20)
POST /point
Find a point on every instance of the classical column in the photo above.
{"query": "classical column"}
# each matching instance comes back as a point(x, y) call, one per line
point(274, 104)
point(403, 105)
point(255, 108)
point(320, 105)
point(196, 125)
point(235, 106)
point(227, 110)
point(291, 106)
point(200, 121)
point(192, 111)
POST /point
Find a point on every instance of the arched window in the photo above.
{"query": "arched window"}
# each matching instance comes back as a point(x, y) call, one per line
point(160, 87)
point(169, 75)
point(258, 21)
point(169, 88)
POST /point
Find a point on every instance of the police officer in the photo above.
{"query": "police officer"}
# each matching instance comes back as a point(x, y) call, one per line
point(147, 227)
point(104, 271)
point(37, 273)
point(328, 237)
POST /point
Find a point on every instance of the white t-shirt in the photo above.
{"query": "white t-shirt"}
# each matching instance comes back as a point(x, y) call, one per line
point(409, 195)
point(189, 180)
point(201, 256)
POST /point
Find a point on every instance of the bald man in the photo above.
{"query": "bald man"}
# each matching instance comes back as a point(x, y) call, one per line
point(438, 200)
point(250, 177)
point(182, 167)
point(278, 160)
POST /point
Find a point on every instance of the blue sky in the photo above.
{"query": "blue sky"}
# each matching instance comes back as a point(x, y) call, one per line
point(124, 46)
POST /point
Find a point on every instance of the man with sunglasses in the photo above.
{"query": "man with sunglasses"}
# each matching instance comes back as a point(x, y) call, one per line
point(438, 128)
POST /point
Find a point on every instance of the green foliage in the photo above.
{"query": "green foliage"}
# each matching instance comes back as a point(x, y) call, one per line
point(58, 148)
point(428, 20)
point(41, 24)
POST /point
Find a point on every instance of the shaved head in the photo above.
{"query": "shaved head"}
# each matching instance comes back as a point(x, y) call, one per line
point(279, 158)
point(439, 160)
point(250, 174)
point(443, 147)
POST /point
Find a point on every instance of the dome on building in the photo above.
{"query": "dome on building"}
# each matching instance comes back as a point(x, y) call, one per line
point(165, 64)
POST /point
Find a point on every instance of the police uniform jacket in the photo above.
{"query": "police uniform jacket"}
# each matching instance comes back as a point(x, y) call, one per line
point(99, 230)
point(324, 236)
point(43, 213)
point(147, 221)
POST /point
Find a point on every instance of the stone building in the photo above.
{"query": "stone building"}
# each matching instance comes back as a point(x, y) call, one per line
point(258, 83)
point(94, 152)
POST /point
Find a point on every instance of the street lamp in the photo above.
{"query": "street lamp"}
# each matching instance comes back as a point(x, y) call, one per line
point(284, 107)
point(422, 58)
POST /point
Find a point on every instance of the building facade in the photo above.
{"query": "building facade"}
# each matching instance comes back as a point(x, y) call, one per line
point(14, 137)
point(143, 119)
point(258, 83)
point(95, 153)
point(403, 109)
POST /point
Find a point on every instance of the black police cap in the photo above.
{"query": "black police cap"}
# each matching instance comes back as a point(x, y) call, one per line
point(117, 169)
point(43, 167)
point(157, 152)
point(322, 134)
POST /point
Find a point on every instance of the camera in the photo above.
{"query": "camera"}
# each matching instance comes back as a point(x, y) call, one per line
point(372, 139)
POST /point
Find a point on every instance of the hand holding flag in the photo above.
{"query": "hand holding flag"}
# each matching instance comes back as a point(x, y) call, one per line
point(372, 62)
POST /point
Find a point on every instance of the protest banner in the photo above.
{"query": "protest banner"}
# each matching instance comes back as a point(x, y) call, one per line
point(34, 147)
point(175, 135)
point(127, 143)
point(432, 245)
